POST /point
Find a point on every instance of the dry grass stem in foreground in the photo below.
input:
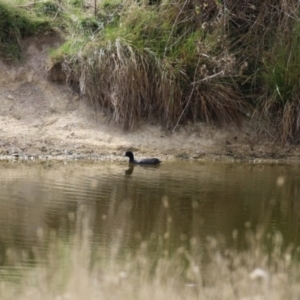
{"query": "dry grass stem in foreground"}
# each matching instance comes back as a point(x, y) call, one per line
point(81, 269)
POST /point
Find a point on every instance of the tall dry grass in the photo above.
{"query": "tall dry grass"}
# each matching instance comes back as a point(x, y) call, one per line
point(266, 35)
point(84, 266)
point(123, 80)
point(280, 102)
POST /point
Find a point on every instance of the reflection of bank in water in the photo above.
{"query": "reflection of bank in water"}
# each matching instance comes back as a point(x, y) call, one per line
point(176, 201)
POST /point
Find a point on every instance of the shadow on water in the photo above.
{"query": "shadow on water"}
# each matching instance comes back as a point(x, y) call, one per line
point(169, 205)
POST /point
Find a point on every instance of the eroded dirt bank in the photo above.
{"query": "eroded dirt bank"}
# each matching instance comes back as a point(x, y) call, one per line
point(43, 120)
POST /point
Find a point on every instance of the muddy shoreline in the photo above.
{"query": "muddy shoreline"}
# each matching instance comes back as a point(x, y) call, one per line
point(89, 154)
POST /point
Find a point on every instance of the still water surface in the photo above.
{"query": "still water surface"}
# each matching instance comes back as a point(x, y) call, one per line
point(175, 201)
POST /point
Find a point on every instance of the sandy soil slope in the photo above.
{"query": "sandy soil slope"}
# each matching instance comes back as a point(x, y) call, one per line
point(43, 120)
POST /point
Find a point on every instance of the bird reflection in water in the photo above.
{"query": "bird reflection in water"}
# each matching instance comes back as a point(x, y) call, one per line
point(131, 167)
point(129, 171)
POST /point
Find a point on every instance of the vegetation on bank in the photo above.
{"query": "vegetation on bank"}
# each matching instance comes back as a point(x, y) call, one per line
point(174, 61)
point(16, 24)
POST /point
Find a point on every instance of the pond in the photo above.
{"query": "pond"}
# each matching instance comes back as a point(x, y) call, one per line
point(121, 207)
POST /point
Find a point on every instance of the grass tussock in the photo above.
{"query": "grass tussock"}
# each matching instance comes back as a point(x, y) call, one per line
point(159, 62)
point(281, 101)
point(128, 87)
point(266, 35)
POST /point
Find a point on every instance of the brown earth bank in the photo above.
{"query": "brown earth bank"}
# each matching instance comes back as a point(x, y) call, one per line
point(41, 120)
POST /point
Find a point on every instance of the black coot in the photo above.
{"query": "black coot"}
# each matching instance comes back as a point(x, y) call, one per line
point(146, 161)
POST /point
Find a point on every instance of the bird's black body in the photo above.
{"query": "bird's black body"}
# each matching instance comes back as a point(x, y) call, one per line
point(146, 161)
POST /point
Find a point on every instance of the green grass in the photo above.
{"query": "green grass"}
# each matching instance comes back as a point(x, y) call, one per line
point(17, 24)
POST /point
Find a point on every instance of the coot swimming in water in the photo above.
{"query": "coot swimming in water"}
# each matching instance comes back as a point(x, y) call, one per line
point(146, 161)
